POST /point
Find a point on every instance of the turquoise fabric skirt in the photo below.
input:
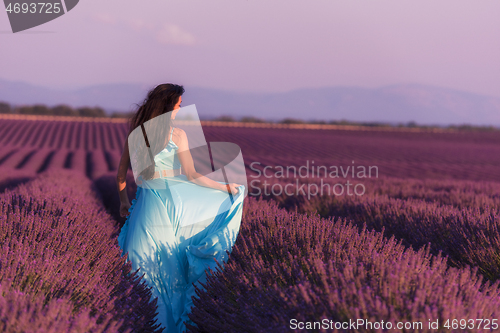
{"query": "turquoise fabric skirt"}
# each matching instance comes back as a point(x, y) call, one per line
point(173, 234)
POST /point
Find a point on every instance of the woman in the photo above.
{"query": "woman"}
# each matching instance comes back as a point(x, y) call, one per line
point(159, 234)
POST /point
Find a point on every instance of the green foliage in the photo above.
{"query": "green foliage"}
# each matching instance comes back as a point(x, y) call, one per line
point(64, 110)
point(225, 118)
point(91, 112)
point(5, 108)
point(37, 109)
point(467, 127)
point(292, 121)
point(252, 120)
point(58, 110)
point(122, 114)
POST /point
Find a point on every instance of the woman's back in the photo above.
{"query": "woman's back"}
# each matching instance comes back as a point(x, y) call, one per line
point(167, 159)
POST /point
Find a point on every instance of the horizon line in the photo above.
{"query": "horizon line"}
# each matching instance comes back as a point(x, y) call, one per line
point(152, 85)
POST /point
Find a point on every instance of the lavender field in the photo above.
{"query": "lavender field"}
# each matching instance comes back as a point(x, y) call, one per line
point(420, 245)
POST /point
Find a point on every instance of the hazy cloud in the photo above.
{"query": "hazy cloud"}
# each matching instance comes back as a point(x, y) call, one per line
point(173, 34)
point(104, 18)
point(139, 24)
point(168, 33)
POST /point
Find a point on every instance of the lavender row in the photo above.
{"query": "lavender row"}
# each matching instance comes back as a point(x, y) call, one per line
point(461, 155)
point(460, 194)
point(57, 242)
point(20, 312)
point(287, 268)
point(93, 164)
point(459, 222)
point(457, 193)
point(62, 134)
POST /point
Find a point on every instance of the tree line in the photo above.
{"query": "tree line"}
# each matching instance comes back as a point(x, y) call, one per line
point(58, 110)
point(66, 110)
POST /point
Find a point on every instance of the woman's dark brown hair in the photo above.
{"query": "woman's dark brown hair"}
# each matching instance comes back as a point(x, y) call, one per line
point(159, 100)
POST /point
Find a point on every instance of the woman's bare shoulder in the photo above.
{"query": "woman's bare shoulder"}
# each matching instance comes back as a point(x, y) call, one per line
point(179, 133)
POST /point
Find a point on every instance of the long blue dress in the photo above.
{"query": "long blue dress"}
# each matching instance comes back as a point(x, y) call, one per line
point(174, 233)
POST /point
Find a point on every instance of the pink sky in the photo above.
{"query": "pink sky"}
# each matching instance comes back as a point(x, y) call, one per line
point(261, 45)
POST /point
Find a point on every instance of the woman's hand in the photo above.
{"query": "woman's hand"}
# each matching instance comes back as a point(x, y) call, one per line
point(124, 206)
point(234, 188)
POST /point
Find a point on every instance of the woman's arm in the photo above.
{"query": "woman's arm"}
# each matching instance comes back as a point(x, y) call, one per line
point(121, 180)
point(188, 167)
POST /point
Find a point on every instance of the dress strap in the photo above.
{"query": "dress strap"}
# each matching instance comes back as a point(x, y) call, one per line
point(171, 132)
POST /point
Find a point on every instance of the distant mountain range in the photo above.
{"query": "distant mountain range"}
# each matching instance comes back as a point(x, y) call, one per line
point(393, 104)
